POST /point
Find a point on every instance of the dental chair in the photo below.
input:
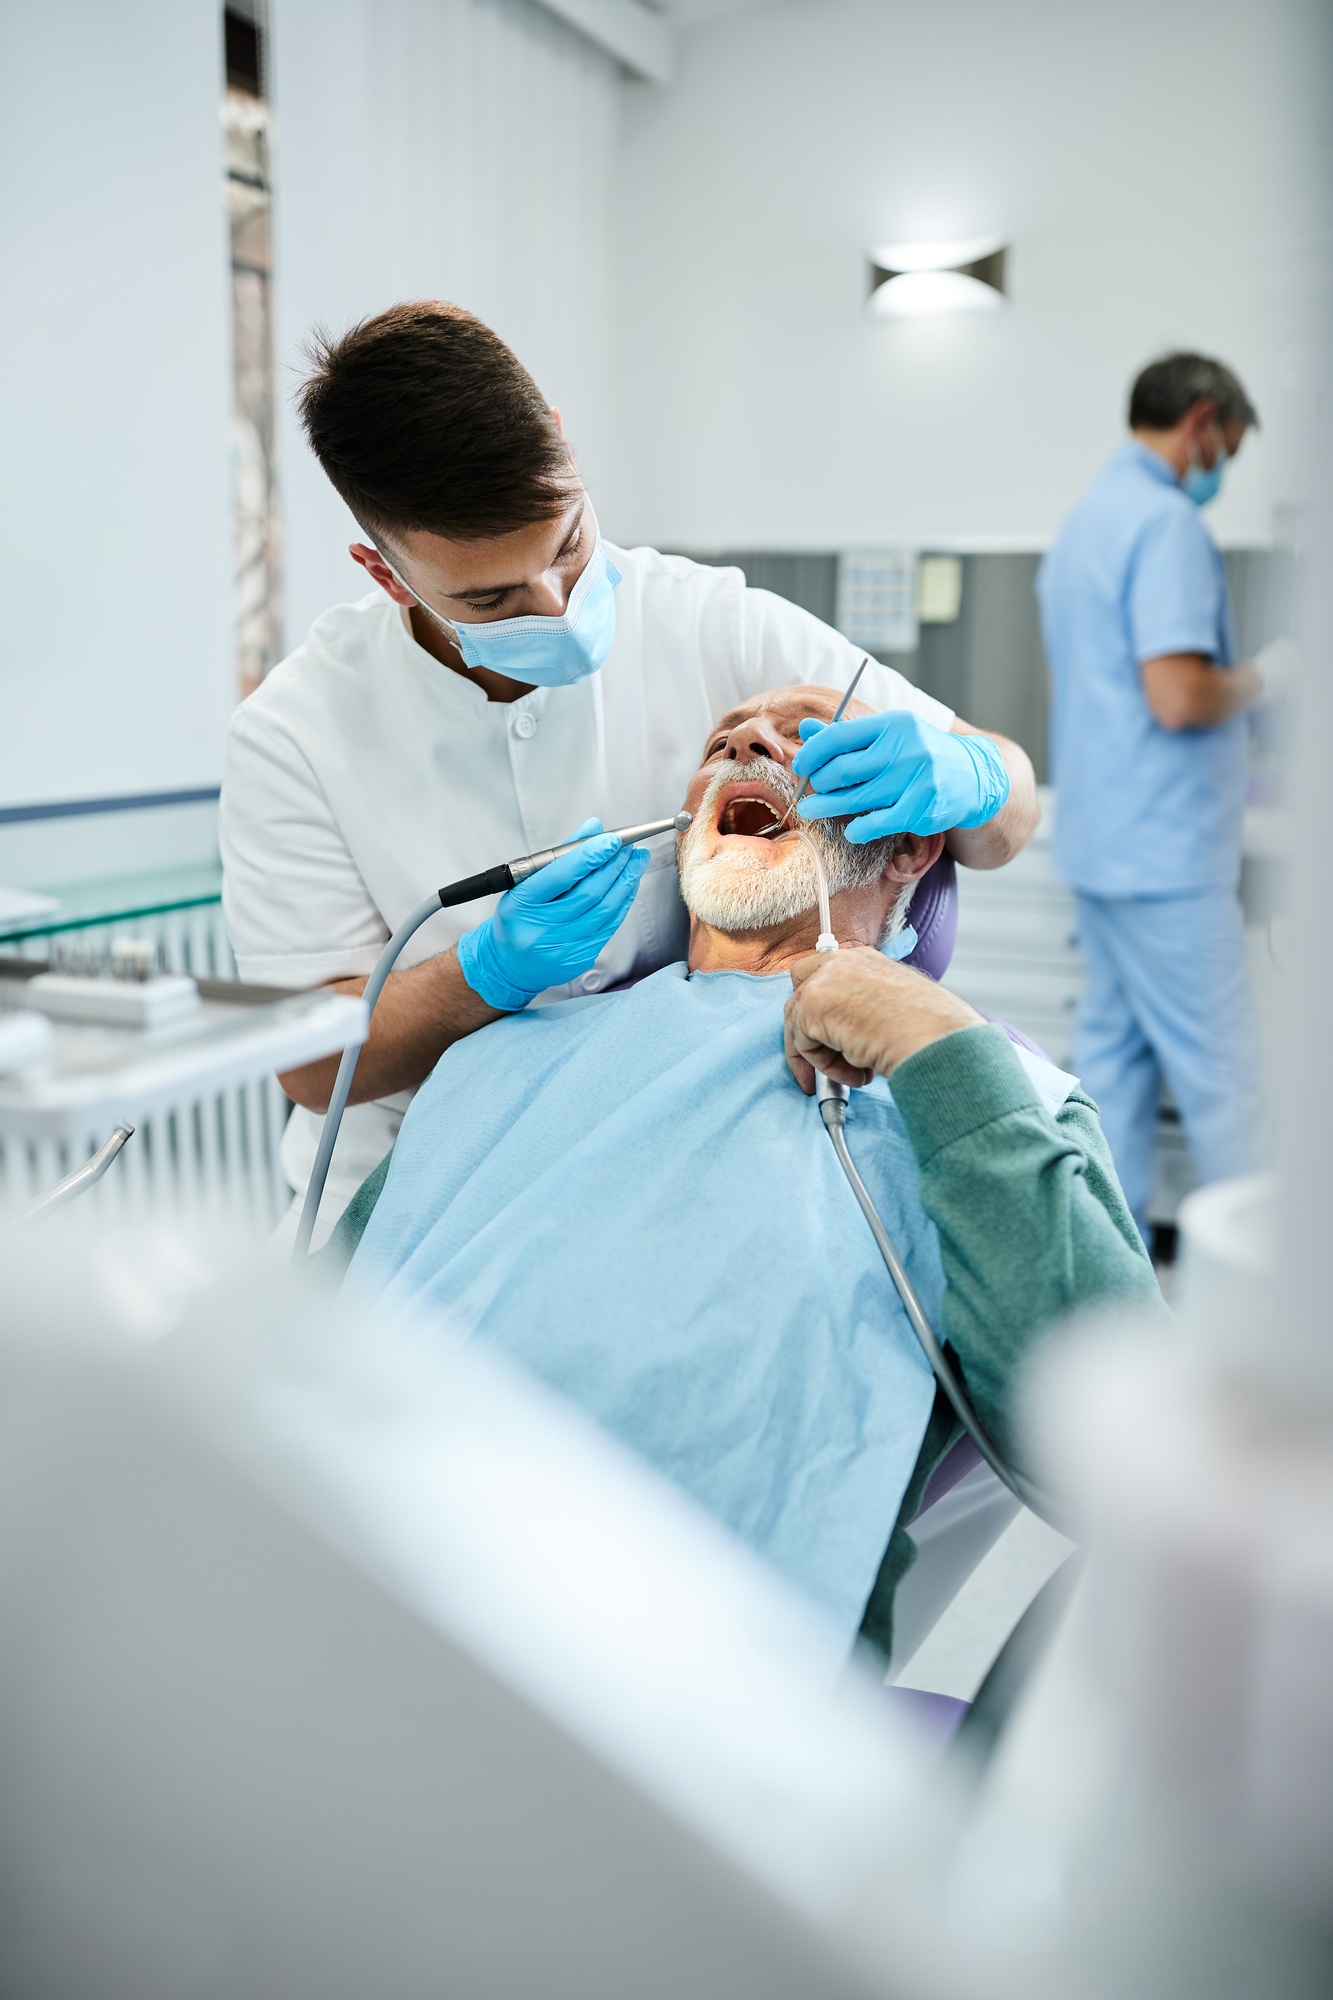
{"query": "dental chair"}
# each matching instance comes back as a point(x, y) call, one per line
point(934, 918)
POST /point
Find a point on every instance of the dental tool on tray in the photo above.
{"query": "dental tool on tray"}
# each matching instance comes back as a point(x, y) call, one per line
point(491, 882)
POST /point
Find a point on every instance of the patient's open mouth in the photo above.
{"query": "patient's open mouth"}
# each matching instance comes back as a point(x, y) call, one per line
point(754, 813)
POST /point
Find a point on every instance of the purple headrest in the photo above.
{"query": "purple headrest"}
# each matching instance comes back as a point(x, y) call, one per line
point(933, 915)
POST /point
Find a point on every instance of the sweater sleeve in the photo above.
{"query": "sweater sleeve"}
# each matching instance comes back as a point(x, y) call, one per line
point(1031, 1218)
point(1032, 1224)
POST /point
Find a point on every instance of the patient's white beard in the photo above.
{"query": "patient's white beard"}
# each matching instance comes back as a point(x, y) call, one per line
point(739, 889)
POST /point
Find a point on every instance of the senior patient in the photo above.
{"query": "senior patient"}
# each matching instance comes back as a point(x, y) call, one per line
point(632, 1195)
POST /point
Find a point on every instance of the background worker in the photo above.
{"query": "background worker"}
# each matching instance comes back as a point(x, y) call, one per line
point(1149, 749)
point(508, 673)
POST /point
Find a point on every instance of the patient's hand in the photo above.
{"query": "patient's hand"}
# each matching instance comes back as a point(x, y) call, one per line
point(855, 1014)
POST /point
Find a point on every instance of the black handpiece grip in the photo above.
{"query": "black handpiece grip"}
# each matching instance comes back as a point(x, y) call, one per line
point(491, 882)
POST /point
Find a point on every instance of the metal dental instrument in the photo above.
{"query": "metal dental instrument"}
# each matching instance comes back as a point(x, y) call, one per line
point(491, 882)
point(838, 714)
point(83, 1177)
point(628, 836)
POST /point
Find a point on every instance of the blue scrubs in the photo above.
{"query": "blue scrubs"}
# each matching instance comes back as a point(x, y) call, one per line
point(1148, 824)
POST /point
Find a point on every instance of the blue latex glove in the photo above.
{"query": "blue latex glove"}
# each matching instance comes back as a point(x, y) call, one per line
point(898, 774)
point(550, 928)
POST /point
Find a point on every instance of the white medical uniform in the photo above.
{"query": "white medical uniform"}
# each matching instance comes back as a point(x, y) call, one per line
point(362, 773)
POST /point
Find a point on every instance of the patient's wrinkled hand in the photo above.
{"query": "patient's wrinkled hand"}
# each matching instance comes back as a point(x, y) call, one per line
point(855, 1014)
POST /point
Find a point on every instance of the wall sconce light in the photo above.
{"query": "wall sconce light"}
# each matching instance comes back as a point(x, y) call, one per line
point(912, 278)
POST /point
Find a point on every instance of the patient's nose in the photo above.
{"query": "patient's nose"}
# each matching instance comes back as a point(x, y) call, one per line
point(757, 737)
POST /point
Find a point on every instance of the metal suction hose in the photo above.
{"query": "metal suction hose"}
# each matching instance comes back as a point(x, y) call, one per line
point(832, 1099)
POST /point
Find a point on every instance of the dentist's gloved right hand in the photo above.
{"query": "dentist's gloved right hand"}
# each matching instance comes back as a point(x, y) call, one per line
point(898, 773)
point(550, 928)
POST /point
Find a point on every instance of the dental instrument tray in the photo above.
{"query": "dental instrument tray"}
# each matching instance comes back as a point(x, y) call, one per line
point(93, 1073)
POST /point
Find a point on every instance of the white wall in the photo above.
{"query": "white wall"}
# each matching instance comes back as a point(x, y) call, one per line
point(459, 149)
point(1150, 162)
point(116, 659)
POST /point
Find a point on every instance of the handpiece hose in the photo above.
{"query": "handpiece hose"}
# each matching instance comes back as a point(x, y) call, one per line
point(833, 1110)
point(832, 1098)
point(491, 882)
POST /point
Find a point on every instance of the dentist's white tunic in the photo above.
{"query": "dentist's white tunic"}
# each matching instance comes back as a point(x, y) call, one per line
point(362, 773)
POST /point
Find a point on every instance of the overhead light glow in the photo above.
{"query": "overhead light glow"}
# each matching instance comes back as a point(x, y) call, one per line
point(961, 275)
point(936, 256)
point(916, 292)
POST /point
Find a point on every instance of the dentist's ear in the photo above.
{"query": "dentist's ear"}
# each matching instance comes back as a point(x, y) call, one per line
point(559, 423)
point(373, 563)
point(917, 852)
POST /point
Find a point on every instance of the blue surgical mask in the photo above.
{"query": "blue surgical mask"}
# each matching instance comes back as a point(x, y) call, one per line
point(548, 652)
point(1204, 483)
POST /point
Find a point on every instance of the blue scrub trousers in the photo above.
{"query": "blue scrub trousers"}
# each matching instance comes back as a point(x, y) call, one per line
point(1168, 997)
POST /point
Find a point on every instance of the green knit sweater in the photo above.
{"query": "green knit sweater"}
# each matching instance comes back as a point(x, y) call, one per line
point(1032, 1224)
point(1031, 1221)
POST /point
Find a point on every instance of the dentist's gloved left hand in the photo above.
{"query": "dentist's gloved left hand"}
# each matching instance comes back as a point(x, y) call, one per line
point(550, 928)
point(898, 774)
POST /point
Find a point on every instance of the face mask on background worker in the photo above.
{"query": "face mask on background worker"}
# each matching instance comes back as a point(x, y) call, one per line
point(547, 652)
point(1204, 482)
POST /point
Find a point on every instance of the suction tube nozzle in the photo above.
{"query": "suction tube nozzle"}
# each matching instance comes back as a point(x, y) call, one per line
point(826, 941)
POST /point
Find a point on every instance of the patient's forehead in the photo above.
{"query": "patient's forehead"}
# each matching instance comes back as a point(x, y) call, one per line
point(784, 708)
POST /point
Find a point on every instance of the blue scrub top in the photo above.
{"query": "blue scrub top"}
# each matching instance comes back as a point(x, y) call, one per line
point(1140, 810)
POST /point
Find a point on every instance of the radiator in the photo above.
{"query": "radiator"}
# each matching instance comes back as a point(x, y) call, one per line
point(217, 1155)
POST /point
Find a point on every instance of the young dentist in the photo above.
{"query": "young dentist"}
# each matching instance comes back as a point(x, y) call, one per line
point(510, 673)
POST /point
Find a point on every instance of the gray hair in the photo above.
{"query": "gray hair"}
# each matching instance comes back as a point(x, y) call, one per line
point(1166, 389)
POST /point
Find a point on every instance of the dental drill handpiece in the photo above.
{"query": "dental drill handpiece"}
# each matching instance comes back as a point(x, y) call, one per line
point(491, 882)
point(628, 836)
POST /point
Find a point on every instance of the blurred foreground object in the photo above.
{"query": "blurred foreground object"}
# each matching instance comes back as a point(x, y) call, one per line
point(327, 1672)
point(337, 1663)
point(1188, 1841)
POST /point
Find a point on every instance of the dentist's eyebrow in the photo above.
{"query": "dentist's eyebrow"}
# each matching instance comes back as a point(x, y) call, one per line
point(502, 589)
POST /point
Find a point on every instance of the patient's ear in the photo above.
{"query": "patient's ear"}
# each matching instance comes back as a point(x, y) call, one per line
point(916, 853)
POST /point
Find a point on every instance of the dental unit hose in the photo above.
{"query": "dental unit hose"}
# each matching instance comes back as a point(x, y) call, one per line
point(491, 882)
point(826, 941)
point(832, 1099)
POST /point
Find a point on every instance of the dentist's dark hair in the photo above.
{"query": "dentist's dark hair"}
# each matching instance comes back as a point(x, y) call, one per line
point(424, 419)
point(1166, 389)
